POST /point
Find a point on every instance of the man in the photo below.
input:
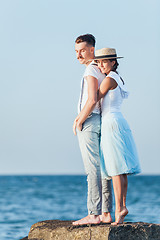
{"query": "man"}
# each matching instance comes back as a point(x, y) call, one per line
point(87, 126)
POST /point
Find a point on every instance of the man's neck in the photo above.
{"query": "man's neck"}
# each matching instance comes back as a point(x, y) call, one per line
point(86, 64)
point(89, 61)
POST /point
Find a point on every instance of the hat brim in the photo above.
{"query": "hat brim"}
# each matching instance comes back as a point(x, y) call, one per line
point(105, 57)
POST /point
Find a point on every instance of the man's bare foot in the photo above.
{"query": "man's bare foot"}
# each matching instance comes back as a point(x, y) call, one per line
point(106, 217)
point(90, 219)
point(119, 216)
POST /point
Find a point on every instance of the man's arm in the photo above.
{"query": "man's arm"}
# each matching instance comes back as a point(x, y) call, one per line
point(90, 103)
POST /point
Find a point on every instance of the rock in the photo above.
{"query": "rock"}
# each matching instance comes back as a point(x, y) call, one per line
point(64, 230)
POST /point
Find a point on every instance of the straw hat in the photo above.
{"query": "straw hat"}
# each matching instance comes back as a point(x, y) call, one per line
point(106, 53)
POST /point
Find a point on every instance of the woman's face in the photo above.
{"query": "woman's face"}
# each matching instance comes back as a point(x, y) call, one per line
point(105, 65)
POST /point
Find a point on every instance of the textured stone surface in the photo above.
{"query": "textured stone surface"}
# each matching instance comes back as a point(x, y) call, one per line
point(59, 230)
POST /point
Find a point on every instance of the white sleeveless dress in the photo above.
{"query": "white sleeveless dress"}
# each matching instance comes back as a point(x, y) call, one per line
point(118, 149)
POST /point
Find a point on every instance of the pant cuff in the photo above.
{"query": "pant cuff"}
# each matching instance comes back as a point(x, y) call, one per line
point(96, 212)
point(107, 210)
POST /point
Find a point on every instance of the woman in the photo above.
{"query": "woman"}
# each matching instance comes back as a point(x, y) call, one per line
point(118, 150)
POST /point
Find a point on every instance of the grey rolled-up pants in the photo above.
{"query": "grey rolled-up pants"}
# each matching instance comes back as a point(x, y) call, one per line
point(99, 190)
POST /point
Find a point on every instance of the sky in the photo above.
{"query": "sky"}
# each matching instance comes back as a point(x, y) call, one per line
point(40, 79)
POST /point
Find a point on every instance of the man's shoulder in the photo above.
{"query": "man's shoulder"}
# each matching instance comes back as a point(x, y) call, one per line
point(92, 70)
point(93, 66)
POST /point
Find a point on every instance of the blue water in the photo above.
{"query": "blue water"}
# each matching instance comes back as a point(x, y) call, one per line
point(25, 200)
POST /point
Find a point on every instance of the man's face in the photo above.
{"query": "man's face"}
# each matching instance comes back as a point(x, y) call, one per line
point(84, 52)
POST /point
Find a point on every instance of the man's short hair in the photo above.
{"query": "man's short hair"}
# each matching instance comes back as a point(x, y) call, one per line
point(88, 38)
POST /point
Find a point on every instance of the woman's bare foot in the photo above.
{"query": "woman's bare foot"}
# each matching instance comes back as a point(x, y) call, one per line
point(124, 211)
point(106, 217)
point(90, 219)
point(119, 216)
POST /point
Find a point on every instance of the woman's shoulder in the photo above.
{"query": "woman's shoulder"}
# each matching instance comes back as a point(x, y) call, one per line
point(120, 83)
point(116, 77)
point(113, 75)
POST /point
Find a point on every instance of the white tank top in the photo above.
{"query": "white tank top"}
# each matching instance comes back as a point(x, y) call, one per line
point(113, 99)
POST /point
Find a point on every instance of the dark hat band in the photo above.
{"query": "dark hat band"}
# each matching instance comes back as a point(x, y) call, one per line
point(108, 56)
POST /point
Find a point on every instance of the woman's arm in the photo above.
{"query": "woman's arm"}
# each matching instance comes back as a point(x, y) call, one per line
point(106, 85)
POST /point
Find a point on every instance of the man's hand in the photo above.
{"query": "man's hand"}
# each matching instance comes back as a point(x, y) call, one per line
point(74, 127)
point(77, 125)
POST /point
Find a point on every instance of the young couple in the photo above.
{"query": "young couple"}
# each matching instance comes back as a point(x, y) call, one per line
point(105, 139)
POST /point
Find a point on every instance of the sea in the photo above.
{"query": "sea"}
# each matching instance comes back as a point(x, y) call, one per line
point(25, 200)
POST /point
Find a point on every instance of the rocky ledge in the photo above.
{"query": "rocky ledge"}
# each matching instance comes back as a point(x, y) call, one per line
point(64, 230)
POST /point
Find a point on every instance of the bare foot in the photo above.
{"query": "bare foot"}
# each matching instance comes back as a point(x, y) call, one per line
point(119, 216)
point(124, 211)
point(106, 217)
point(90, 219)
